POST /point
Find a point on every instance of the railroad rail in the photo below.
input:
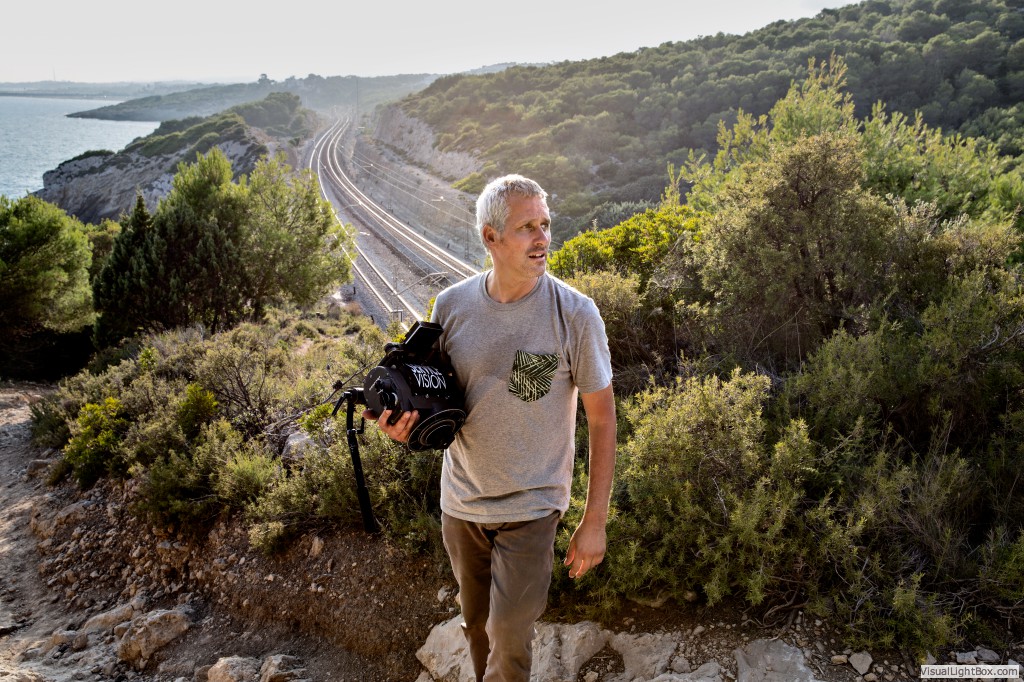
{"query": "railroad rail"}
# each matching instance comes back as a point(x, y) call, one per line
point(422, 261)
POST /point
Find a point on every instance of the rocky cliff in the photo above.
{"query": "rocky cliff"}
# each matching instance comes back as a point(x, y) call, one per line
point(415, 140)
point(95, 187)
point(100, 185)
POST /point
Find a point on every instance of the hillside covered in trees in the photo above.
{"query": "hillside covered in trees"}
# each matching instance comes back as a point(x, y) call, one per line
point(602, 131)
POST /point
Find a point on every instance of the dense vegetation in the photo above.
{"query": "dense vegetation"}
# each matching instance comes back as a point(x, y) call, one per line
point(279, 114)
point(217, 252)
point(834, 356)
point(602, 131)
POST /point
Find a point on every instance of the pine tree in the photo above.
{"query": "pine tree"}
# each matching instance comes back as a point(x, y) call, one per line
point(44, 270)
point(217, 252)
point(122, 287)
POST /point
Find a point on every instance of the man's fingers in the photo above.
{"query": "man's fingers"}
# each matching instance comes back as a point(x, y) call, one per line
point(402, 428)
point(579, 567)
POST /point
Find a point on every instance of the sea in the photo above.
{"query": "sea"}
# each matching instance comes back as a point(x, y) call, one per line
point(36, 135)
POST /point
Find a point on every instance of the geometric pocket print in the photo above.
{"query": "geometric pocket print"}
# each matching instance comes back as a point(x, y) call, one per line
point(531, 375)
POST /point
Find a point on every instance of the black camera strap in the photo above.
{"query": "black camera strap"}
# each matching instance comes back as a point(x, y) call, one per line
point(355, 396)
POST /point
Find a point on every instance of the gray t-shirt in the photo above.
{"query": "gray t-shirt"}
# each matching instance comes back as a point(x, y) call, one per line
point(521, 365)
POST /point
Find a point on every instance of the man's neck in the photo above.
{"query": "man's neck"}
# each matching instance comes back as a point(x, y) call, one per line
point(506, 290)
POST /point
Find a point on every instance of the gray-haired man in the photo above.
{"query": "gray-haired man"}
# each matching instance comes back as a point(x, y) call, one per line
point(524, 345)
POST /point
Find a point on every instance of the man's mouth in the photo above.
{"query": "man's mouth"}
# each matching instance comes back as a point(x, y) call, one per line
point(539, 256)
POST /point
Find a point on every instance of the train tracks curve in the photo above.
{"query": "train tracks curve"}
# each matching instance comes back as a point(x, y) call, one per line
point(398, 267)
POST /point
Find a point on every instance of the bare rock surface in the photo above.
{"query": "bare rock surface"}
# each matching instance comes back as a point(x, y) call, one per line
point(150, 632)
point(561, 650)
point(772, 661)
point(234, 669)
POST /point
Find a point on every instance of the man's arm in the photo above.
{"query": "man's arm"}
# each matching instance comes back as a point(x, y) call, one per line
point(588, 543)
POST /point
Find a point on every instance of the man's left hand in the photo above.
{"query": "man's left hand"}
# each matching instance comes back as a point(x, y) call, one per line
point(586, 548)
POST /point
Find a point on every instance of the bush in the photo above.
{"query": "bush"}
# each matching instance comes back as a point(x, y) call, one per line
point(197, 409)
point(95, 445)
point(322, 489)
point(705, 502)
point(238, 367)
point(245, 476)
point(178, 488)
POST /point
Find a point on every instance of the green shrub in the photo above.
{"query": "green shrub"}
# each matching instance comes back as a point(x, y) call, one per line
point(150, 404)
point(178, 488)
point(473, 183)
point(640, 337)
point(238, 367)
point(317, 423)
point(704, 500)
point(320, 488)
point(1002, 569)
point(246, 476)
point(405, 488)
point(176, 492)
point(268, 537)
point(49, 427)
point(95, 445)
point(198, 408)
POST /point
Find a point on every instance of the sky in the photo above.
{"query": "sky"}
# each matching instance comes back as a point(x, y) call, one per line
point(104, 41)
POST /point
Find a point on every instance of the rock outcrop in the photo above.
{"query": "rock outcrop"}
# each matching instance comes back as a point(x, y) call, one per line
point(561, 652)
point(149, 632)
point(415, 139)
point(96, 187)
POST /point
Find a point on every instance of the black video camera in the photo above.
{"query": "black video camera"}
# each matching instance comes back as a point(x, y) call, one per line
point(413, 375)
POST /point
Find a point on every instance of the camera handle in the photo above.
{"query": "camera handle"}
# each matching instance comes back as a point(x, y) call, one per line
point(354, 396)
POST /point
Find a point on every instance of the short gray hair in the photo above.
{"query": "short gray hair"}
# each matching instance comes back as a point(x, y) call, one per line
point(492, 204)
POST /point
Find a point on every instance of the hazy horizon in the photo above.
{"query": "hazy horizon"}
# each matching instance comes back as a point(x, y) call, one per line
point(108, 42)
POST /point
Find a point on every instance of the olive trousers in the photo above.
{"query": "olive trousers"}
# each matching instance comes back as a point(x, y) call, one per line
point(504, 572)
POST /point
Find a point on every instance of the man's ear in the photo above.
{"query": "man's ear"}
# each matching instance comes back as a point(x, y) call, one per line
point(490, 234)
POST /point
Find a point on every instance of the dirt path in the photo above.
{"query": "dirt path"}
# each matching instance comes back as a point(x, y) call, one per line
point(29, 610)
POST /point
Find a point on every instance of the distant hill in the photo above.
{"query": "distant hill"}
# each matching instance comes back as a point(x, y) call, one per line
point(316, 92)
point(602, 131)
point(119, 91)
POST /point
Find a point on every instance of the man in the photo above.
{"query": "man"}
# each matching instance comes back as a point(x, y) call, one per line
point(523, 345)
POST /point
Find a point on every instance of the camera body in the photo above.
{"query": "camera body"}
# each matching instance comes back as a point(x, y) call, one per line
point(414, 375)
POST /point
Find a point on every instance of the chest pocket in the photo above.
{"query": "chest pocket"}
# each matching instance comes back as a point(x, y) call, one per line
point(531, 375)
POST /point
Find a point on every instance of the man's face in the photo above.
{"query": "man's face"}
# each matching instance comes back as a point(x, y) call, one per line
point(521, 250)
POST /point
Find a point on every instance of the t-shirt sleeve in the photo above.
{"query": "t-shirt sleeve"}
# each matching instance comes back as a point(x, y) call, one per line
point(591, 366)
point(439, 315)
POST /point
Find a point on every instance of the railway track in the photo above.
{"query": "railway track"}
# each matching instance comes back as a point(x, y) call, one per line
point(399, 268)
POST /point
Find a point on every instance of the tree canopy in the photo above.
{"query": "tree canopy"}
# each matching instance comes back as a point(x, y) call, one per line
point(611, 125)
point(217, 251)
point(44, 269)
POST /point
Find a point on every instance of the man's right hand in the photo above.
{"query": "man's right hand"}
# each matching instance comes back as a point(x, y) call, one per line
point(400, 430)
